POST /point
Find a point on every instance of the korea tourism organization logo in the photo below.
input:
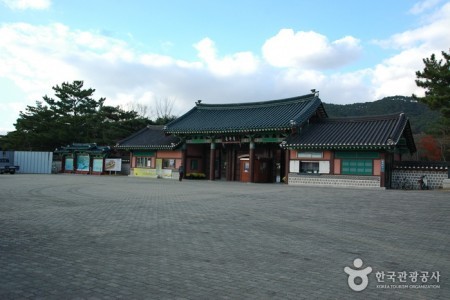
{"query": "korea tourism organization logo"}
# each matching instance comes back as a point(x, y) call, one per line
point(358, 278)
point(354, 274)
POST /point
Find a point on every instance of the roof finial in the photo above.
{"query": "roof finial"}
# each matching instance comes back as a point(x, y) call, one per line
point(316, 93)
point(198, 102)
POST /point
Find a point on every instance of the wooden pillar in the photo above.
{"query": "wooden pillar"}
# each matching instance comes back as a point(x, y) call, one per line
point(233, 164)
point(63, 163)
point(251, 161)
point(229, 162)
point(75, 162)
point(212, 161)
point(131, 162)
point(183, 158)
point(332, 162)
point(287, 159)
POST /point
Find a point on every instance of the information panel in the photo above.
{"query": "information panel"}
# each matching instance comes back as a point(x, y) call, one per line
point(83, 163)
point(69, 164)
point(97, 165)
point(113, 164)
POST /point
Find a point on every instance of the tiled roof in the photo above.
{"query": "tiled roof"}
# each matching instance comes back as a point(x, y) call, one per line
point(422, 165)
point(90, 148)
point(151, 137)
point(378, 132)
point(246, 117)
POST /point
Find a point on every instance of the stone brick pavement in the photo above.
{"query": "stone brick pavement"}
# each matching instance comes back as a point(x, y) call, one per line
point(109, 237)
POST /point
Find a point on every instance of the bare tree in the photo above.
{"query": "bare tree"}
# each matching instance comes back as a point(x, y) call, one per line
point(141, 109)
point(163, 110)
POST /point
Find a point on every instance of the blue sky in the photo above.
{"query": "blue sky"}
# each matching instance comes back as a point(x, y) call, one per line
point(139, 52)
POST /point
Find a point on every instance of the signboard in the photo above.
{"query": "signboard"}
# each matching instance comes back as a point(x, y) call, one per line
point(97, 165)
point(83, 163)
point(113, 164)
point(153, 173)
point(268, 140)
point(199, 141)
point(145, 172)
point(166, 173)
point(69, 164)
point(159, 162)
point(144, 153)
point(229, 140)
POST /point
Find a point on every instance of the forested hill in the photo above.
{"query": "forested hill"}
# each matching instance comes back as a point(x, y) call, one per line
point(420, 116)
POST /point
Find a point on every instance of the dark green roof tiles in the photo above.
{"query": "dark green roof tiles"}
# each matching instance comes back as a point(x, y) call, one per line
point(151, 137)
point(89, 148)
point(246, 117)
point(378, 132)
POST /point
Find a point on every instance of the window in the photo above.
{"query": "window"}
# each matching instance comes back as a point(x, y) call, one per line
point(168, 164)
point(309, 154)
point(246, 166)
point(357, 167)
point(309, 167)
point(320, 166)
point(143, 162)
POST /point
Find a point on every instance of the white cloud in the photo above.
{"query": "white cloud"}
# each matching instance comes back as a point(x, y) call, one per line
point(238, 63)
point(35, 58)
point(309, 50)
point(424, 5)
point(431, 35)
point(27, 4)
point(396, 75)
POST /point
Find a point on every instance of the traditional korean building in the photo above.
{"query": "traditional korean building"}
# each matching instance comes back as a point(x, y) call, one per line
point(152, 152)
point(241, 142)
point(290, 140)
point(349, 151)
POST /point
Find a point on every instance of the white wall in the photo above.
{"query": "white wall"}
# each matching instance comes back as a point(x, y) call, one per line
point(33, 162)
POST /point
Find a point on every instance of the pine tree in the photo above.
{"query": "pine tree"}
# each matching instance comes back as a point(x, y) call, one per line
point(73, 116)
point(435, 79)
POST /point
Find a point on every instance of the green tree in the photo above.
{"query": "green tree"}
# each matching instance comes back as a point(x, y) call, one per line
point(435, 79)
point(441, 131)
point(73, 116)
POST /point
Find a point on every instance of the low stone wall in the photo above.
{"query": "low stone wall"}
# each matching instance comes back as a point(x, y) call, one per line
point(335, 180)
point(446, 184)
point(435, 178)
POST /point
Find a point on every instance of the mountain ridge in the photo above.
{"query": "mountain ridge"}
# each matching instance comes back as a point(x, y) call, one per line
point(420, 116)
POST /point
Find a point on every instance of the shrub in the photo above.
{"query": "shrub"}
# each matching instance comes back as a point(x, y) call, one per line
point(195, 176)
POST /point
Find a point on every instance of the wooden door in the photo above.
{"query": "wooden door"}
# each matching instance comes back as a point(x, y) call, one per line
point(245, 170)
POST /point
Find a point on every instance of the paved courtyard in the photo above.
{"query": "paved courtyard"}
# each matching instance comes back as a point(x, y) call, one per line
point(109, 237)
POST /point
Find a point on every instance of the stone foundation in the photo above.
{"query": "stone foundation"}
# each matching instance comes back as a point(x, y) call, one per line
point(335, 181)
